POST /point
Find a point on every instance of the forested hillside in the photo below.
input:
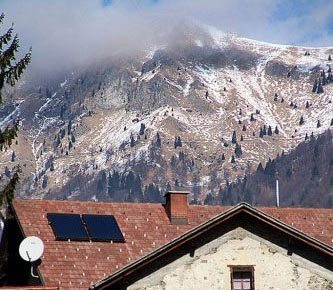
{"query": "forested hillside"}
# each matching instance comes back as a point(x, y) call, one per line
point(305, 178)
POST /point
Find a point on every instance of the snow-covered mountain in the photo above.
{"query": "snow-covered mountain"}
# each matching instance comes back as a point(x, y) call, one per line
point(167, 115)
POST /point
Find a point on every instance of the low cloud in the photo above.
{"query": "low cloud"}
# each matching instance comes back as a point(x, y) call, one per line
point(65, 33)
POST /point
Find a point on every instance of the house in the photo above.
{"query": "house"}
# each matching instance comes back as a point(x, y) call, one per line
point(170, 246)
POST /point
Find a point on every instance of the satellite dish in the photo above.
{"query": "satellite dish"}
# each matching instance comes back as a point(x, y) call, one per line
point(31, 249)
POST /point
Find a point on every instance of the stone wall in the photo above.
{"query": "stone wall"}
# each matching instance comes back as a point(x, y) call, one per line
point(208, 268)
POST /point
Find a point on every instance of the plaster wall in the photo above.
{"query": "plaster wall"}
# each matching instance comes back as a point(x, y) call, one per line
point(208, 268)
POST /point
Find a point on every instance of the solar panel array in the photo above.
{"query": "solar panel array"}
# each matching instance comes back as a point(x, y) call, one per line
point(102, 227)
point(88, 227)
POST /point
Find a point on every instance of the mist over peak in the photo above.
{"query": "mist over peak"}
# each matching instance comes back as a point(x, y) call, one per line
point(65, 34)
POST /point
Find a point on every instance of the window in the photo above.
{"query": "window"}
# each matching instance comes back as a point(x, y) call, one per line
point(242, 277)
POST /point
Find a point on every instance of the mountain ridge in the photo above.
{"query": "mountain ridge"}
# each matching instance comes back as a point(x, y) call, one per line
point(197, 90)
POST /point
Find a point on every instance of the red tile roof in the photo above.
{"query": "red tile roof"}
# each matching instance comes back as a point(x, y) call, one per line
point(29, 288)
point(145, 228)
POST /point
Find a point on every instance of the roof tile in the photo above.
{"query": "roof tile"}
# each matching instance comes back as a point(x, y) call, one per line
point(145, 227)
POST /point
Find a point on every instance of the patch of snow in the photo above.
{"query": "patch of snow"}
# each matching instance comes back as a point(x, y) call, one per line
point(170, 82)
point(9, 118)
point(198, 42)
point(42, 108)
point(149, 75)
point(187, 88)
point(63, 83)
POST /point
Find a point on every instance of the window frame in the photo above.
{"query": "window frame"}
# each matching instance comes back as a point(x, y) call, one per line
point(241, 268)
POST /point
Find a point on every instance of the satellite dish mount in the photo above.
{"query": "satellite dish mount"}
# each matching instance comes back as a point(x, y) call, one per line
point(31, 249)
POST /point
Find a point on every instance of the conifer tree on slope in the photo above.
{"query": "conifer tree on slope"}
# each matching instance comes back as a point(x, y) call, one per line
point(10, 72)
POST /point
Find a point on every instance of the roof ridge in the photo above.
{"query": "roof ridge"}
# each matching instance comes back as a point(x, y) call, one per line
point(161, 204)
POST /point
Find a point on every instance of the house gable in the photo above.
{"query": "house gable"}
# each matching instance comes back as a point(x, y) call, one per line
point(211, 265)
point(244, 216)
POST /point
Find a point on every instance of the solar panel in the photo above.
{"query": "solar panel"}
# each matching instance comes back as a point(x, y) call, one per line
point(103, 228)
point(67, 226)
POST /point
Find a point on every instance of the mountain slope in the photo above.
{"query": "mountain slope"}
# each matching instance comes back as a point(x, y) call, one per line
point(305, 178)
point(168, 116)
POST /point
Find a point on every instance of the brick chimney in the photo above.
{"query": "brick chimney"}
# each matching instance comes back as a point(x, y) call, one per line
point(177, 207)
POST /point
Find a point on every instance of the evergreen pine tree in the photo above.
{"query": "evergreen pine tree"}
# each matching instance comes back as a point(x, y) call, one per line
point(330, 76)
point(10, 72)
point(318, 124)
point(315, 86)
point(234, 138)
point(332, 122)
point(314, 172)
point(62, 133)
point(7, 171)
point(206, 95)
point(329, 58)
point(158, 140)
point(269, 131)
point(242, 138)
point(301, 121)
point(306, 136)
point(238, 150)
point(260, 168)
point(307, 105)
point(261, 133)
point(44, 182)
point(264, 130)
point(223, 157)
point(142, 129)
point(323, 78)
point(252, 118)
point(52, 165)
point(132, 141)
point(320, 89)
point(244, 128)
point(179, 142)
point(233, 159)
point(69, 127)
point(276, 131)
point(13, 156)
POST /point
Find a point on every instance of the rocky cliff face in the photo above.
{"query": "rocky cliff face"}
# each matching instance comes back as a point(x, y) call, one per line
point(195, 114)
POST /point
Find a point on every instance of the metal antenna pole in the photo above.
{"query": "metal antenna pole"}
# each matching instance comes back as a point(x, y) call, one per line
point(32, 267)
